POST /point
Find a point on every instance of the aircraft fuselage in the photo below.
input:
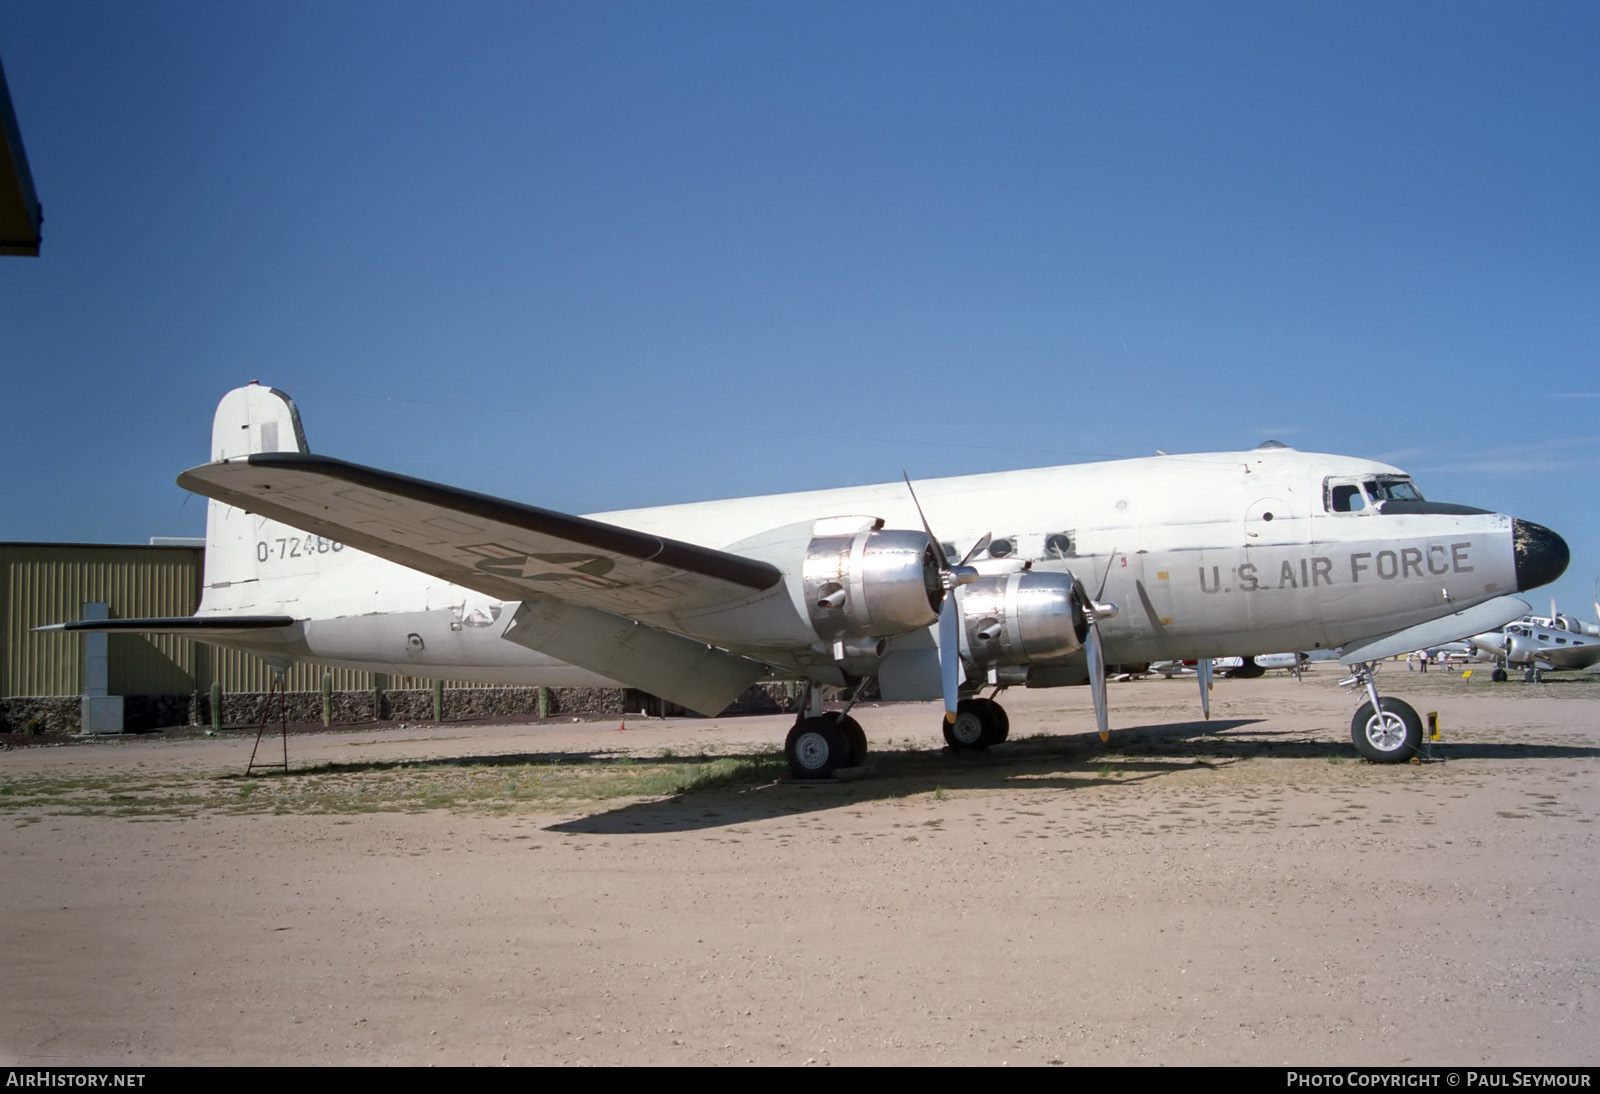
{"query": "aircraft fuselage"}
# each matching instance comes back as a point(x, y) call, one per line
point(1205, 555)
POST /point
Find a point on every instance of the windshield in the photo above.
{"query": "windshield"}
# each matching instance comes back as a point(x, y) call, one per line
point(1392, 489)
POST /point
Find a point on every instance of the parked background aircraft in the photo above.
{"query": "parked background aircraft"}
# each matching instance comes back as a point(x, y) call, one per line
point(1572, 623)
point(1236, 553)
point(1538, 644)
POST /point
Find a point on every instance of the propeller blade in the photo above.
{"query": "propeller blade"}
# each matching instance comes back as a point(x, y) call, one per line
point(950, 653)
point(1202, 671)
point(1097, 681)
point(949, 611)
point(978, 547)
point(938, 550)
point(1101, 595)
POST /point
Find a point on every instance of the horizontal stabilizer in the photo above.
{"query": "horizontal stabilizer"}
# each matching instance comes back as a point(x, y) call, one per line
point(500, 548)
point(1488, 616)
point(200, 626)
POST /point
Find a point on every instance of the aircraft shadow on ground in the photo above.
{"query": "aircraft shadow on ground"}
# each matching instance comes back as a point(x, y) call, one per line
point(1058, 762)
point(1510, 750)
point(1187, 738)
point(517, 759)
point(1051, 761)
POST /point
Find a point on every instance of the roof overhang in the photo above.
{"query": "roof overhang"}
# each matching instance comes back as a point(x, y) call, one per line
point(19, 205)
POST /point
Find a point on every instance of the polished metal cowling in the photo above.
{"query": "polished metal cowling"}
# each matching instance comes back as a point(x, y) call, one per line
point(1019, 619)
point(871, 584)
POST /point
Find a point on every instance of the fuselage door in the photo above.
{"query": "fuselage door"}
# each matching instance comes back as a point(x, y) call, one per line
point(1259, 518)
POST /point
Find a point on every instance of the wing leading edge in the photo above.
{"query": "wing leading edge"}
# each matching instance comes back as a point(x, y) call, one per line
point(496, 547)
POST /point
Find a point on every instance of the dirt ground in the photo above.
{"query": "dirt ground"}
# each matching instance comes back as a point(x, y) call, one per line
point(1238, 891)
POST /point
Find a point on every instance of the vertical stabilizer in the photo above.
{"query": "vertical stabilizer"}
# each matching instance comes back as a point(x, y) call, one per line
point(249, 419)
point(256, 566)
point(253, 419)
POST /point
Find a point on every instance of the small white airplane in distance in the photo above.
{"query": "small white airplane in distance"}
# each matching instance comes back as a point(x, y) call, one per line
point(1241, 553)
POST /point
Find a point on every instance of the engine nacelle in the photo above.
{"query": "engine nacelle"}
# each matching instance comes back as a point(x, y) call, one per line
point(871, 583)
point(1022, 619)
point(847, 584)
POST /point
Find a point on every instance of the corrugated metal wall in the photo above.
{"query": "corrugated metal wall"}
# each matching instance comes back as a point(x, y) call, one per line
point(50, 583)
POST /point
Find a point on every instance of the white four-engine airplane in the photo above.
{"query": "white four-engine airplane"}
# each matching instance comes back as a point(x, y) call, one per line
point(1240, 553)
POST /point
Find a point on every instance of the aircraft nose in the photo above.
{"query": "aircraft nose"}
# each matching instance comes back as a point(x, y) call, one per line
point(1542, 556)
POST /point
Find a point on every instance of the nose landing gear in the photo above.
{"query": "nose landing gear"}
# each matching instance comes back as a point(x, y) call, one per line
point(1385, 730)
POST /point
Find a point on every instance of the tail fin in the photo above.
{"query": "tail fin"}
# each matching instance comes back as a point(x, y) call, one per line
point(253, 419)
point(249, 419)
point(259, 567)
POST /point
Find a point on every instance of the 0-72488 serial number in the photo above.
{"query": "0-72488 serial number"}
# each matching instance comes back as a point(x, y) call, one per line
point(270, 550)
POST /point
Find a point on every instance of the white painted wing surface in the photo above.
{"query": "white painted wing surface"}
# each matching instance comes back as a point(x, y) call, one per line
point(500, 548)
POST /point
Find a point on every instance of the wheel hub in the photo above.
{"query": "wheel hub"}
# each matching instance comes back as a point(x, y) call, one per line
point(967, 728)
point(812, 751)
point(1386, 731)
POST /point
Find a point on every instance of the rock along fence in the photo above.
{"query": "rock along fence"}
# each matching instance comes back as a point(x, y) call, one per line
point(61, 714)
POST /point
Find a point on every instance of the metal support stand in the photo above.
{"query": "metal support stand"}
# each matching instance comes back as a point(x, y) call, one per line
point(1430, 726)
point(280, 689)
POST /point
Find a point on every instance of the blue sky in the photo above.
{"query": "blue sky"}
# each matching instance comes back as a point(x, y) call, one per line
point(596, 255)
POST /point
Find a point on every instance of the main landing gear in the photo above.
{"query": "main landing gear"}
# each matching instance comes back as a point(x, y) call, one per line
point(823, 742)
point(1385, 730)
point(979, 723)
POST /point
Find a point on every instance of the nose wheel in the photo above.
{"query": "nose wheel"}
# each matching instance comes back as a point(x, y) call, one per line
point(1385, 730)
point(1389, 734)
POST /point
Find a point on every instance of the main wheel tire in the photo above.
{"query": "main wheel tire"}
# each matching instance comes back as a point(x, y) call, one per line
point(1390, 736)
point(1498, 676)
point(994, 717)
point(855, 740)
point(979, 723)
point(1002, 720)
point(816, 747)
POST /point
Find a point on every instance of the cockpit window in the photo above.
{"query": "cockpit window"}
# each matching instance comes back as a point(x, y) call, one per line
point(1345, 498)
point(1392, 489)
point(1352, 496)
